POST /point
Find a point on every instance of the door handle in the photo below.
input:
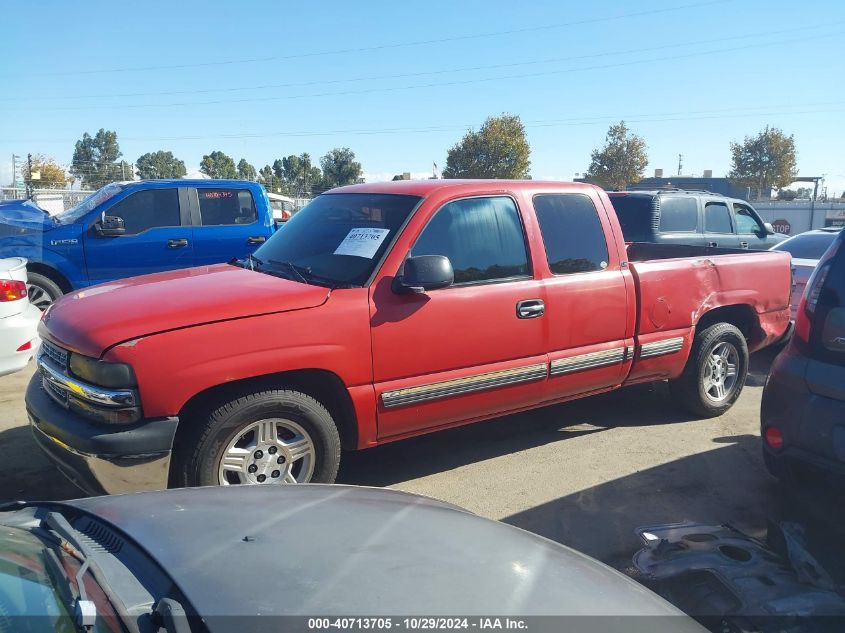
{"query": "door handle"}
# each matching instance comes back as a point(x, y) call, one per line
point(743, 244)
point(712, 244)
point(256, 239)
point(530, 309)
point(178, 243)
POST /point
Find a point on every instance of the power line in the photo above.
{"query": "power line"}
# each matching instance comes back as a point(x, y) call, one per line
point(723, 113)
point(426, 85)
point(252, 88)
point(395, 45)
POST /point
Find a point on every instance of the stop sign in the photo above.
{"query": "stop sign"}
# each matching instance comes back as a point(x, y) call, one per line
point(782, 226)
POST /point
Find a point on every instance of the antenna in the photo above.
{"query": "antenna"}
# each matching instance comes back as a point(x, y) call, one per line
point(680, 163)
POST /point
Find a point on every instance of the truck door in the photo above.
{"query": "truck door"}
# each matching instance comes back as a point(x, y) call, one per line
point(590, 311)
point(158, 236)
point(227, 224)
point(750, 230)
point(718, 228)
point(474, 349)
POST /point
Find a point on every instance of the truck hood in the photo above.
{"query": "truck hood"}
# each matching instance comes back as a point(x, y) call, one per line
point(25, 214)
point(92, 320)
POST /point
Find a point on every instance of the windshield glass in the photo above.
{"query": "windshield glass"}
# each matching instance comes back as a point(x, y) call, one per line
point(338, 239)
point(29, 595)
point(96, 198)
point(807, 246)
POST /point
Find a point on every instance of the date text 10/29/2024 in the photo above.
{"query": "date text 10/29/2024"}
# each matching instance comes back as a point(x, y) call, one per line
point(417, 623)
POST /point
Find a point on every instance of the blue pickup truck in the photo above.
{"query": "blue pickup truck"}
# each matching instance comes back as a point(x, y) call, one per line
point(134, 228)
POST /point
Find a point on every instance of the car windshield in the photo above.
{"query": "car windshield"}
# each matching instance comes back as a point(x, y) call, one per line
point(337, 239)
point(89, 203)
point(29, 588)
point(808, 245)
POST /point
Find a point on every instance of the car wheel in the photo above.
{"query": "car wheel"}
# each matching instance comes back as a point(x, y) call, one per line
point(268, 437)
point(715, 372)
point(42, 291)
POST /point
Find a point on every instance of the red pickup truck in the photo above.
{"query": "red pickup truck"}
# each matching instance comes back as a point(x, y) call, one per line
point(383, 311)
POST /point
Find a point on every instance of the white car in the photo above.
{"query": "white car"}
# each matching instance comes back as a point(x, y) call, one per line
point(806, 249)
point(18, 317)
point(282, 206)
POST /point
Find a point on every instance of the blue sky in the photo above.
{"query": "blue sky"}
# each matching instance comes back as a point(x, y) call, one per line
point(400, 83)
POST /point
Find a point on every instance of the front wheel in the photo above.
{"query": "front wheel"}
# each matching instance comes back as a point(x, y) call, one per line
point(42, 291)
point(715, 372)
point(268, 437)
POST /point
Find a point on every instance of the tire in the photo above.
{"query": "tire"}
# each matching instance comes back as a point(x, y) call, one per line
point(697, 388)
point(42, 290)
point(306, 448)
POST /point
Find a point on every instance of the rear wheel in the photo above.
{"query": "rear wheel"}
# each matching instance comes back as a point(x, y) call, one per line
point(715, 372)
point(267, 437)
point(42, 290)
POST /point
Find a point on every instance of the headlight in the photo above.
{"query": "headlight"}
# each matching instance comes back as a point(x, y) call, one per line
point(101, 373)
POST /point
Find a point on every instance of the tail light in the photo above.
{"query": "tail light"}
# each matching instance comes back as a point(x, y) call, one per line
point(12, 290)
point(820, 308)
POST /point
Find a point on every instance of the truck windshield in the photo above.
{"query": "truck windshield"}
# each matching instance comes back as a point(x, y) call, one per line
point(337, 239)
point(88, 204)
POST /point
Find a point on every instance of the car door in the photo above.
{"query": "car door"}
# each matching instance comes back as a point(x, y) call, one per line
point(718, 225)
point(157, 235)
point(751, 233)
point(474, 349)
point(589, 308)
point(679, 221)
point(226, 224)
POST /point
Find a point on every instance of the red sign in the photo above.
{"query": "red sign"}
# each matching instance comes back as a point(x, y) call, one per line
point(782, 226)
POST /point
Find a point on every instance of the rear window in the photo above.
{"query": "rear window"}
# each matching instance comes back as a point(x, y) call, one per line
point(808, 246)
point(226, 206)
point(636, 215)
point(678, 214)
point(572, 233)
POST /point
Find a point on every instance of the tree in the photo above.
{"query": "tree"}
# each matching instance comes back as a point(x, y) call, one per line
point(791, 194)
point(498, 150)
point(300, 175)
point(95, 159)
point(218, 165)
point(271, 182)
point(246, 171)
point(339, 168)
point(158, 165)
point(621, 161)
point(764, 161)
point(50, 175)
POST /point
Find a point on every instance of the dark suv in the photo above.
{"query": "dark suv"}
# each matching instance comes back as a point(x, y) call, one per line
point(697, 218)
point(802, 418)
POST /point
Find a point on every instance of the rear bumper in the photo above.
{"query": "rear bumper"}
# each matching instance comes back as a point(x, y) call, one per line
point(812, 425)
point(101, 458)
point(15, 331)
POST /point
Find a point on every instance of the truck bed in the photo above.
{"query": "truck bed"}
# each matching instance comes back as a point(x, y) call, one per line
point(676, 284)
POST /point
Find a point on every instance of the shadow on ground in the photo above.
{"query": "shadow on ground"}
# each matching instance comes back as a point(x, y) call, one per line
point(27, 473)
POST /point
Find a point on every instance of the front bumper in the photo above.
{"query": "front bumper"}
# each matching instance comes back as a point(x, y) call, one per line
point(812, 425)
point(101, 458)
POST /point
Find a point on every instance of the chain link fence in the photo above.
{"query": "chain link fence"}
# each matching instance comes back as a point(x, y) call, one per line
point(51, 200)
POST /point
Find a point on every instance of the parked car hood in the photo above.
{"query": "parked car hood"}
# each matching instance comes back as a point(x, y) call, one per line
point(314, 550)
point(92, 320)
point(25, 214)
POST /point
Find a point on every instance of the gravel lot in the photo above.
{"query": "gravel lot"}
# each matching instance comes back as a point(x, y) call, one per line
point(585, 474)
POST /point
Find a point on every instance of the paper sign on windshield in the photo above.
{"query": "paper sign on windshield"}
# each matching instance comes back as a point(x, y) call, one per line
point(362, 242)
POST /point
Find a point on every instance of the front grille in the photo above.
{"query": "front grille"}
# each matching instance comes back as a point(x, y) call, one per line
point(57, 354)
point(59, 395)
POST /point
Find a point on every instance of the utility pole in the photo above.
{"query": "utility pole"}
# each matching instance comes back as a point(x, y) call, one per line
point(29, 177)
point(680, 163)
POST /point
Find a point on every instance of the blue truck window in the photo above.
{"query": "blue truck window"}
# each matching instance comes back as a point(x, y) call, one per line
point(149, 209)
point(226, 206)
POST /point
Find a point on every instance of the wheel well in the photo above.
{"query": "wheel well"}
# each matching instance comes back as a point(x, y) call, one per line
point(51, 273)
point(324, 386)
point(742, 317)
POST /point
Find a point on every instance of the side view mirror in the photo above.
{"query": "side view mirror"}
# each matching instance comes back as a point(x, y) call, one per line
point(110, 226)
point(770, 230)
point(426, 272)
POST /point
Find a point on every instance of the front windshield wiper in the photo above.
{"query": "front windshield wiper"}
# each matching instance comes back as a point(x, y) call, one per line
point(296, 270)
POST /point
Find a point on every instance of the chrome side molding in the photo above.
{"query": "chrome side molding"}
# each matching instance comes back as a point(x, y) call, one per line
point(660, 348)
point(587, 361)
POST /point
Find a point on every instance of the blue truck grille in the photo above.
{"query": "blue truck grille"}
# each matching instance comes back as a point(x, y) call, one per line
point(56, 354)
